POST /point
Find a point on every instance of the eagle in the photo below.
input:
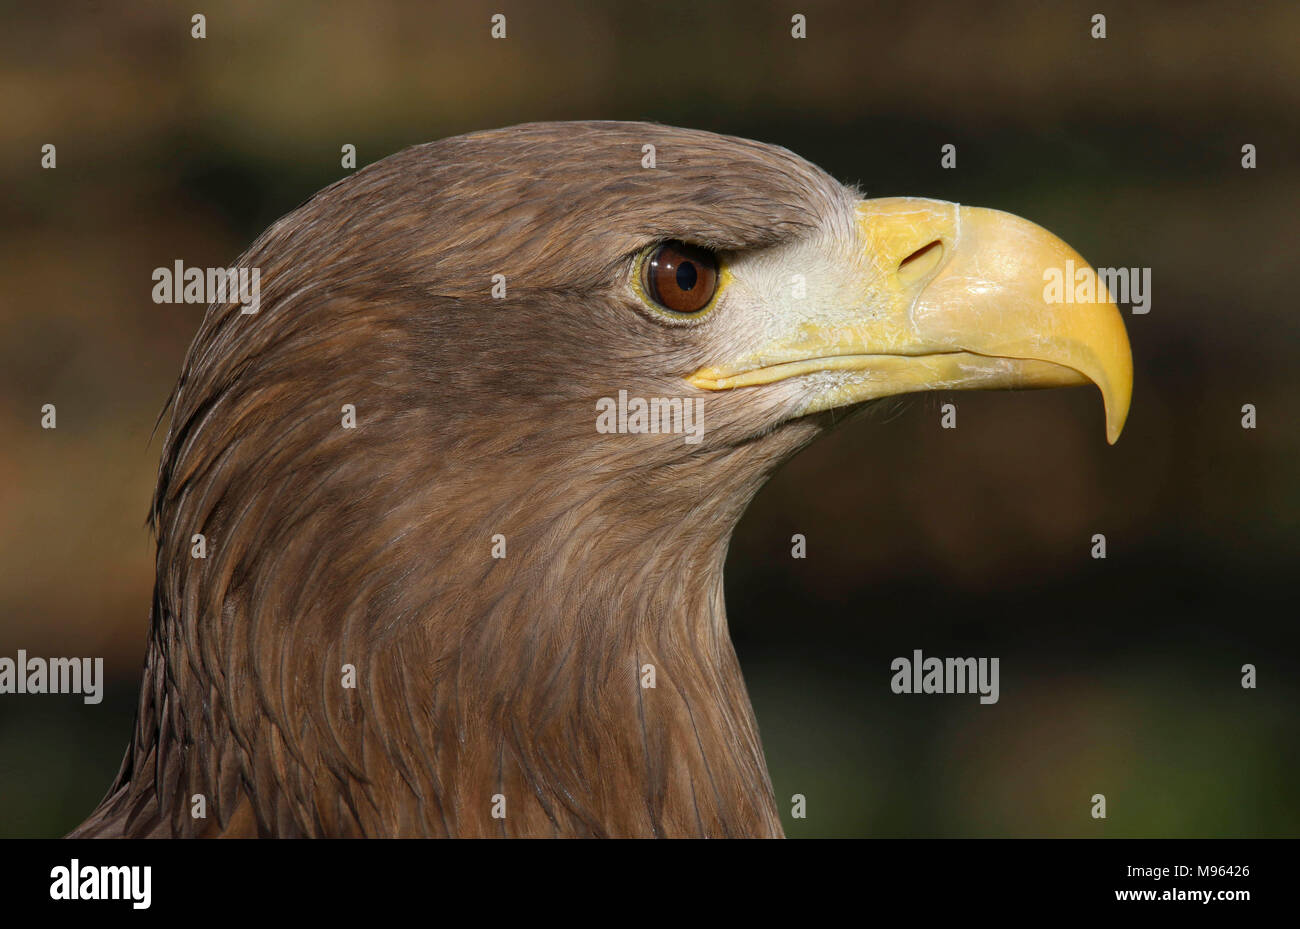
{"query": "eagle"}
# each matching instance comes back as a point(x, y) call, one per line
point(425, 565)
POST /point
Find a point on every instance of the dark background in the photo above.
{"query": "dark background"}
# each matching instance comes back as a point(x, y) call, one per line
point(1119, 677)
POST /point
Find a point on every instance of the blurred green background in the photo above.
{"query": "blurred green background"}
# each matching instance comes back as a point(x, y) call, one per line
point(1119, 677)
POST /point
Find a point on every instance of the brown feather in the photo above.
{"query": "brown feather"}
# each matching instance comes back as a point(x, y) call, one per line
point(371, 547)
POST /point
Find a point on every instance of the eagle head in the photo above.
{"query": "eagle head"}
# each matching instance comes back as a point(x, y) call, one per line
point(467, 478)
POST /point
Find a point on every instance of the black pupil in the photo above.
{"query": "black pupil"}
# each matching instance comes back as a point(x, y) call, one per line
point(687, 275)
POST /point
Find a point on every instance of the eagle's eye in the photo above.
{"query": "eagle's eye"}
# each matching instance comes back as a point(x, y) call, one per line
point(679, 277)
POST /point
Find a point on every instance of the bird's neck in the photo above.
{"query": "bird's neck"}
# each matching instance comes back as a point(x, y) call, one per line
point(595, 688)
point(533, 655)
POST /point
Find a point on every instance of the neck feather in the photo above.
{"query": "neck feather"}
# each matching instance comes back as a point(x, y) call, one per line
point(584, 684)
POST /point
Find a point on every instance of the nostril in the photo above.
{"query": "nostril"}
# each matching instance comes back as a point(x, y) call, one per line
point(922, 261)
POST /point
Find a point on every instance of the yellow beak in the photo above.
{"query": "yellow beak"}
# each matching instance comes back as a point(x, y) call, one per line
point(941, 296)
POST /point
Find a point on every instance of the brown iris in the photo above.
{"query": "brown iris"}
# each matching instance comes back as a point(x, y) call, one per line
point(681, 277)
